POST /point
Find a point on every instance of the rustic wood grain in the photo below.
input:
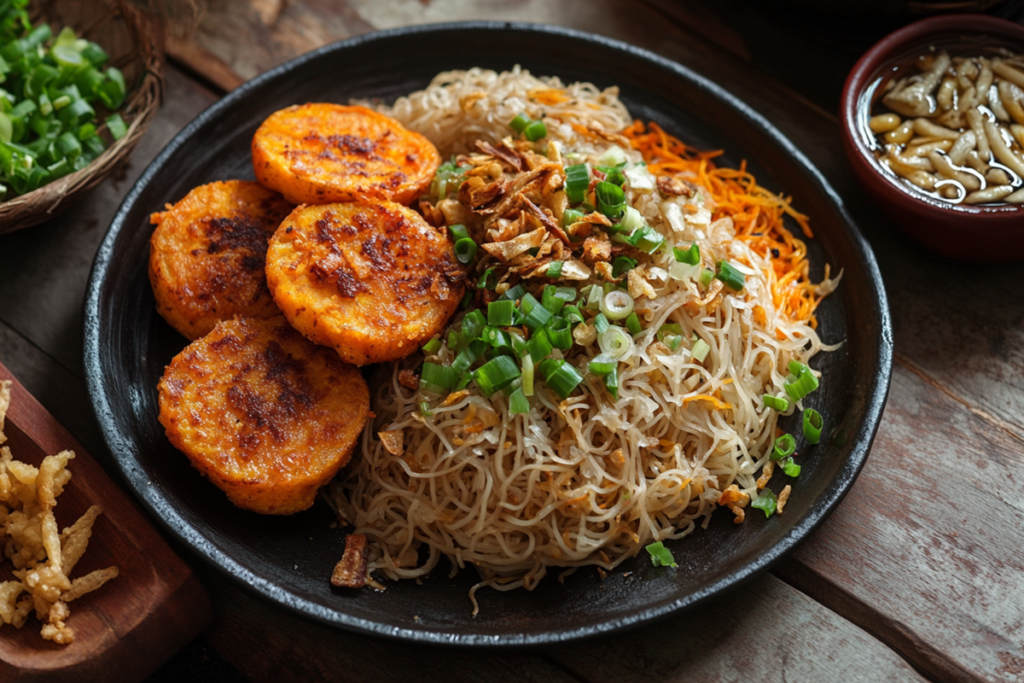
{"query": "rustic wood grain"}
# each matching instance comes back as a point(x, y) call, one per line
point(134, 623)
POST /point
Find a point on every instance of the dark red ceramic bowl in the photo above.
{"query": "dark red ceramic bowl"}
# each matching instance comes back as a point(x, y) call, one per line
point(968, 233)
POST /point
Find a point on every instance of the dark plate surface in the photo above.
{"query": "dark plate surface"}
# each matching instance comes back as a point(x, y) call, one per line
point(288, 560)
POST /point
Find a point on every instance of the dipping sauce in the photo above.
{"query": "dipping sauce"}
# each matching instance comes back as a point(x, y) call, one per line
point(951, 125)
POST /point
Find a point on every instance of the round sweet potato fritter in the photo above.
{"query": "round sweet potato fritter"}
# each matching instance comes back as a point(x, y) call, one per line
point(266, 415)
point(373, 281)
point(323, 153)
point(206, 258)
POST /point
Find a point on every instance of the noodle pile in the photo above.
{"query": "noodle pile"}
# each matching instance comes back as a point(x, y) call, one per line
point(591, 480)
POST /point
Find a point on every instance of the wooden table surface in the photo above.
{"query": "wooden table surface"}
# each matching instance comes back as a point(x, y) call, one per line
point(919, 575)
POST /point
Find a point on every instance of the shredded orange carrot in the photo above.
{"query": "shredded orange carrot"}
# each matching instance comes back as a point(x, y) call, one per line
point(704, 397)
point(757, 214)
point(548, 95)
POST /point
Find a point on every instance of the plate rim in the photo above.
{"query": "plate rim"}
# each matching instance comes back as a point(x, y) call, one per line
point(177, 525)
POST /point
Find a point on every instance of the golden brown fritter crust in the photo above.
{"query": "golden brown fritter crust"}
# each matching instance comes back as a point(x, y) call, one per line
point(206, 258)
point(265, 414)
point(322, 153)
point(372, 281)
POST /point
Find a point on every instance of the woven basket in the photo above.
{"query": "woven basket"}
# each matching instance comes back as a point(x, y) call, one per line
point(134, 41)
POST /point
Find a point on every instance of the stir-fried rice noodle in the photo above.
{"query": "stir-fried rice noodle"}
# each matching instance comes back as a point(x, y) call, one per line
point(589, 480)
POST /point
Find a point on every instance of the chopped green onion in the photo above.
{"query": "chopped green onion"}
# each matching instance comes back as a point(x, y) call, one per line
point(706, 276)
point(555, 269)
point(465, 251)
point(570, 216)
point(459, 232)
point(518, 403)
point(559, 332)
point(622, 265)
point(537, 317)
point(439, 376)
point(613, 176)
point(528, 303)
point(616, 342)
point(577, 181)
point(784, 447)
point(572, 314)
point(603, 364)
point(496, 374)
point(797, 368)
point(528, 375)
point(732, 277)
point(631, 220)
point(520, 122)
point(593, 295)
point(535, 131)
point(601, 323)
point(700, 350)
point(801, 385)
point(467, 299)
point(633, 324)
point(611, 200)
point(690, 257)
point(473, 324)
point(539, 347)
point(617, 305)
point(432, 346)
point(518, 341)
point(561, 377)
point(499, 313)
point(647, 239)
point(791, 468)
point(515, 293)
point(613, 156)
point(496, 338)
point(425, 410)
point(660, 555)
point(611, 382)
point(779, 403)
point(486, 280)
point(550, 301)
point(669, 329)
point(673, 341)
point(566, 294)
point(812, 425)
point(766, 501)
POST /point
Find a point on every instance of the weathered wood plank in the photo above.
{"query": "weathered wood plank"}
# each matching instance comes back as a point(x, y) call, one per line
point(766, 631)
point(925, 550)
point(44, 270)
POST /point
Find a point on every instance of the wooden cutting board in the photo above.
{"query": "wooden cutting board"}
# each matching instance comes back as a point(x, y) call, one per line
point(134, 623)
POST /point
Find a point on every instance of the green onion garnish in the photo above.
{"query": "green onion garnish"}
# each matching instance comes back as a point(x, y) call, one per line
point(603, 364)
point(577, 181)
point(528, 375)
point(499, 313)
point(434, 375)
point(791, 468)
point(496, 338)
point(550, 299)
point(706, 276)
point(617, 305)
point(535, 131)
point(496, 374)
point(766, 501)
point(570, 216)
point(473, 324)
point(425, 410)
point(812, 425)
point(728, 274)
point(647, 239)
point(459, 232)
point(800, 383)
point(539, 347)
point(560, 376)
point(520, 122)
point(700, 350)
point(622, 265)
point(669, 329)
point(779, 403)
point(633, 324)
point(784, 447)
point(486, 280)
point(116, 126)
point(611, 200)
point(469, 355)
point(673, 341)
point(432, 346)
point(559, 332)
point(465, 251)
point(515, 293)
point(464, 381)
point(690, 257)
point(612, 175)
point(555, 269)
point(518, 403)
point(611, 382)
point(527, 303)
point(537, 318)
point(572, 314)
point(660, 555)
point(601, 323)
point(467, 299)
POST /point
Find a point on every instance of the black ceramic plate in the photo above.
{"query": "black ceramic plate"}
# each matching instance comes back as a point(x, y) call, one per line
point(288, 560)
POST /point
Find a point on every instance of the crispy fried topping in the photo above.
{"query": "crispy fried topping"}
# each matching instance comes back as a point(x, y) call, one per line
point(766, 474)
point(409, 380)
point(350, 572)
point(597, 248)
point(783, 497)
point(393, 441)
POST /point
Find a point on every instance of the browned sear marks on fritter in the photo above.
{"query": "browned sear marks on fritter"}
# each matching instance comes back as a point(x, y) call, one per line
point(372, 280)
point(322, 153)
point(207, 255)
point(266, 415)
